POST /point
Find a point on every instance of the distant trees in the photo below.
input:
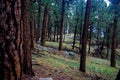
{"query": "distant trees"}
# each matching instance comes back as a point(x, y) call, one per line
point(84, 37)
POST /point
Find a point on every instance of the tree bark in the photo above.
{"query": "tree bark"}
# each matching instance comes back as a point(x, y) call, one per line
point(118, 76)
point(75, 32)
point(27, 62)
point(84, 37)
point(62, 25)
point(10, 40)
point(108, 42)
point(38, 21)
point(32, 24)
point(58, 31)
point(114, 39)
point(90, 36)
point(45, 25)
point(55, 30)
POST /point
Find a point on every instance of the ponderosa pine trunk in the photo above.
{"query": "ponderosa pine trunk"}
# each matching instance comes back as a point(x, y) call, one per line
point(10, 40)
point(62, 25)
point(114, 39)
point(45, 25)
point(38, 20)
point(84, 37)
point(27, 61)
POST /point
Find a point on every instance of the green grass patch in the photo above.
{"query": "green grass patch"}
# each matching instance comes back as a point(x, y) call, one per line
point(56, 45)
point(94, 66)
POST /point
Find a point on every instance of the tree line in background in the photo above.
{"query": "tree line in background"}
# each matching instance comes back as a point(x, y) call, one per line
point(22, 23)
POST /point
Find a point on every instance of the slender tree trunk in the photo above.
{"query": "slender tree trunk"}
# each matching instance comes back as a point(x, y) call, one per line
point(114, 38)
point(38, 21)
point(81, 26)
point(49, 28)
point(32, 25)
point(57, 31)
point(55, 28)
point(64, 35)
point(97, 42)
point(90, 36)
point(62, 25)
point(81, 32)
point(27, 61)
point(10, 40)
point(45, 25)
point(75, 32)
point(35, 29)
point(84, 37)
point(108, 31)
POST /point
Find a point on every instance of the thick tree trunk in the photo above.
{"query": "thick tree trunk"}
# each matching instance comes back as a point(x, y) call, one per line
point(10, 40)
point(114, 39)
point(38, 22)
point(84, 37)
point(62, 25)
point(27, 63)
point(45, 25)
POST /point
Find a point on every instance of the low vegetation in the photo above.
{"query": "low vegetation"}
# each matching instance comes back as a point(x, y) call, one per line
point(96, 68)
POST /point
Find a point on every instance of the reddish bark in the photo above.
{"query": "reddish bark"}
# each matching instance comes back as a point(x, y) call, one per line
point(27, 63)
point(32, 25)
point(38, 22)
point(10, 40)
point(84, 37)
point(62, 25)
point(45, 25)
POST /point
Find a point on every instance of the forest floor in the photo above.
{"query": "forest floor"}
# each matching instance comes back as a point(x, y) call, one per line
point(51, 63)
point(48, 62)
